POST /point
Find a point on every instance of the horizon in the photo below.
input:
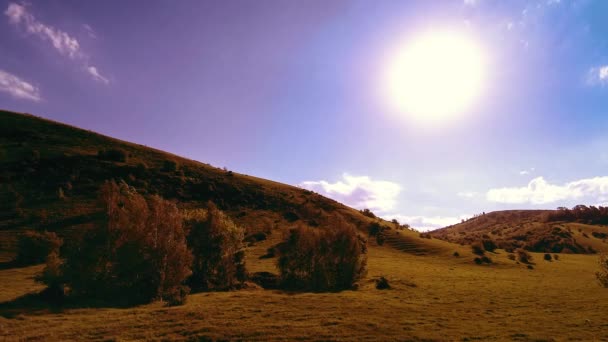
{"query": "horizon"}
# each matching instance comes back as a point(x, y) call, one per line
point(294, 92)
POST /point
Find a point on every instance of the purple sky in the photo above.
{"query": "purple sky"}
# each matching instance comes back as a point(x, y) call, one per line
point(288, 90)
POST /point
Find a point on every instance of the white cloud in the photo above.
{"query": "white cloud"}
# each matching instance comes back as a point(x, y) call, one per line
point(17, 87)
point(470, 2)
point(358, 192)
point(467, 194)
point(598, 75)
point(96, 75)
point(524, 172)
point(61, 41)
point(424, 223)
point(539, 191)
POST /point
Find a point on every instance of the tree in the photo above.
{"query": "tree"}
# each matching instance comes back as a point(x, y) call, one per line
point(323, 259)
point(137, 253)
point(218, 248)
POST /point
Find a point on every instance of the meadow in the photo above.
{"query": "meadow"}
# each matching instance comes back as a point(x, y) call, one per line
point(432, 297)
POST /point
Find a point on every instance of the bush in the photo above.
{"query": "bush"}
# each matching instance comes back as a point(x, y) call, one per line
point(368, 213)
point(34, 247)
point(511, 256)
point(477, 248)
point(489, 245)
point(169, 166)
point(218, 248)
point(482, 260)
point(602, 274)
point(377, 230)
point(113, 154)
point(136, 254)
point(456, 254)
point(555, 257)
point(547, 257)
point(322, 260)
point(382, 284)
point(523, 256)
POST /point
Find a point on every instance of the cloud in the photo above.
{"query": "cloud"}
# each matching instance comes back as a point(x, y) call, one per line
point(17, 87)
point(470, 2)
point(61, 41)
point(598, 75)
point(96, 75)
point(424, 223)
point(358, 192)
point(539, 191)
point(467, 194)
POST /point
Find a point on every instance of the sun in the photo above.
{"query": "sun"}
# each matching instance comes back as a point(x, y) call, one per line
point(435, 76)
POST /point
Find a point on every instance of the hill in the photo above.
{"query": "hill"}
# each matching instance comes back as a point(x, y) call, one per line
point(50, 174)
point(534, 230)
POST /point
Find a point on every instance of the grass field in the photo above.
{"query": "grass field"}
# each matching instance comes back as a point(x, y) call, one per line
point(433, 297)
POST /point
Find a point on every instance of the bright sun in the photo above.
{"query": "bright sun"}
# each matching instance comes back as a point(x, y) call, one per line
point(435, 76)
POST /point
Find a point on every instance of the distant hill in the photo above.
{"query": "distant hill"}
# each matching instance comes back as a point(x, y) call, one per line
point(50, 174)
point(534, 230)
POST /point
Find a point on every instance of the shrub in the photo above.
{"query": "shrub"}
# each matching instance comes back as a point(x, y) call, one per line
point(456, 254)
point(602, 274)
point(52, 277)
point(368, 213)
point(169, 166)
point(382, 284)
point(523, 256)
point(482, 260)
point(218, 248)
point(137, 253)
point(511, 256)
point(489, 245)
point(556, 257)
point(34, 247)
point(477, 248)
point(113, 154)
point(377, 230)
point(322, 260)
point(547, 257)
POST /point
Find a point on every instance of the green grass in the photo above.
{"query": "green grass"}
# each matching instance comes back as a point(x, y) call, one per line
point(433, 298)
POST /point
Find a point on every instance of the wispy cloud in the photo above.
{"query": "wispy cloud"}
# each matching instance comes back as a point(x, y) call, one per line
point(598, 75)
point(17, 87)
point(467, 194)
point(539, 191)
point(96, 75)
point(358, 191)
point(470, 2)
point(64, 43)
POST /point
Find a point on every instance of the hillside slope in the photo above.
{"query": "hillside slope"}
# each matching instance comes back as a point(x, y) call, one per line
point(50, 174)
point(529, 229)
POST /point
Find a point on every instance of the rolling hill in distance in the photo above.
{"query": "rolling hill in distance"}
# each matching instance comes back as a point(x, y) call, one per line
point(51, 174)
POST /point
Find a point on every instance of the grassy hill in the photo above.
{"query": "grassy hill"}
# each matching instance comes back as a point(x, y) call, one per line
point(529, 229)
point(437, 292)
point(50, 174)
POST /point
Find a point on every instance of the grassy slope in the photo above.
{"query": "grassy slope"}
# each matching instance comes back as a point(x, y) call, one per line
point(38, 156)
point(435, 296)
point(526, 226)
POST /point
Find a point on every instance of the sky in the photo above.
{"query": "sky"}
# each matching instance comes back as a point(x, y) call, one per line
point(294, 91)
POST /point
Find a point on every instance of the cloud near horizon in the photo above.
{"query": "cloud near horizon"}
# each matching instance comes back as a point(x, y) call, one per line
point(539, 191)
point(598, 75)
point(17, 87)
point(426, 223)
point(61, 41)
point(359, 192)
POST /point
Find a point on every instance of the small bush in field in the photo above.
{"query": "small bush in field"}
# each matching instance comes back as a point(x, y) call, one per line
point(547, 257)
point(34, 247)
point(477, 248)
point(511, 256)
point(602, 274)
point(523, 256)
point(456, 254)
point(382, 284)
point(489, 245)
point(323, 259)
point(556, 257)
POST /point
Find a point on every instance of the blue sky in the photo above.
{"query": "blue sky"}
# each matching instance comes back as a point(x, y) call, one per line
point(292, 91)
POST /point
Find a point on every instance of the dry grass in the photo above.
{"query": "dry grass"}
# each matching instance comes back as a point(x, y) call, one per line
point(433, 298)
